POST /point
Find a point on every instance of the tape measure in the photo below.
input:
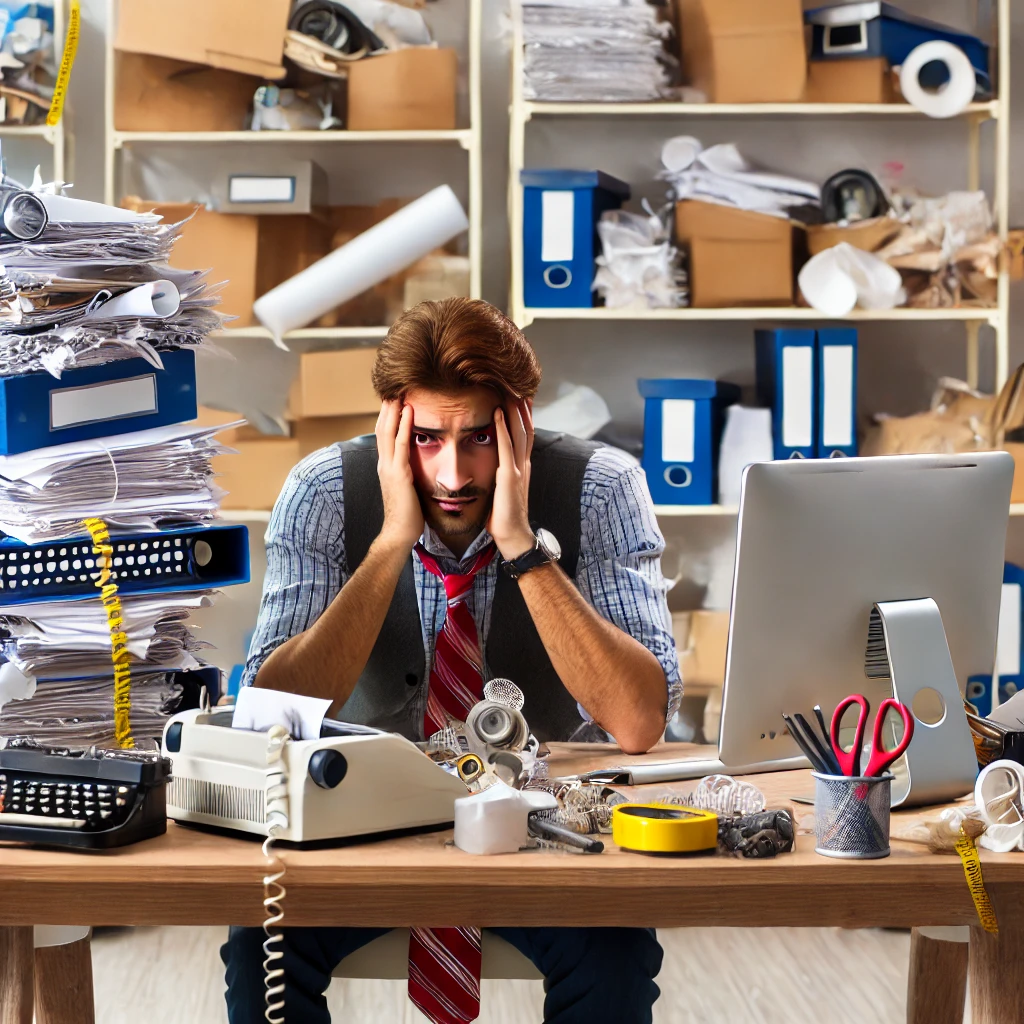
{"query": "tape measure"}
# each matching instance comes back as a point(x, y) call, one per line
point(663, 828)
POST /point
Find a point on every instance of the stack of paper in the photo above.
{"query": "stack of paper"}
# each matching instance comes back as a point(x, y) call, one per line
point(598, 51)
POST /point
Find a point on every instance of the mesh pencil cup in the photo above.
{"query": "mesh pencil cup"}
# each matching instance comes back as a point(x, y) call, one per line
point(851, 815)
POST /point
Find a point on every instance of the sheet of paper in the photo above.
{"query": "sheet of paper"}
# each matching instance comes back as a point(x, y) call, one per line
point(259, 709)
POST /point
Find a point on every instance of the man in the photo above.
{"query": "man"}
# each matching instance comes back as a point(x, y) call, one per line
point(403, 570)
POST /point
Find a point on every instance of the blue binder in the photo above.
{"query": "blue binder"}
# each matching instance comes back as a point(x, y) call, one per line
point(837, 392)
point(787, 384)
point(38, 410)
point(195, 558)
point(1009, 665)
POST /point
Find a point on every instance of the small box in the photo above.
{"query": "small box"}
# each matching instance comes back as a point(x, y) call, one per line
point(158, 94)
point(237, 35)
point(737, 258)
point(278, 187)
point(851, 81)
point(868, 235)
point(743, 51)
point(410, 89)
point(254, 477)
point(314, 434)
point(335, 383)
point(436, 277)
point(683, 422)
point(702, 660)
point(560, 243)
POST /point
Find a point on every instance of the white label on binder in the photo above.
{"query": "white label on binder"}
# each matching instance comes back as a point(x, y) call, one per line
point(797, 396)
point(258, 188)
point(837, 400)
point(71, 407)
point(557, 215)
point(1008, 641)
point(678, 417)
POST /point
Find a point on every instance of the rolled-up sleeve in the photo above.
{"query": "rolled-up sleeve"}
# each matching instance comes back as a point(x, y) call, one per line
point(620, 559)
point(305, 556)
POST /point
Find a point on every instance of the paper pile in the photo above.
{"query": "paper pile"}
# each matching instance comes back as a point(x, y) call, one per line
point(597, 51)
point(28, 65)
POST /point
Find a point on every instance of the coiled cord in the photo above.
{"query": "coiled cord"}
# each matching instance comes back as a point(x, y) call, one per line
point(273, 891)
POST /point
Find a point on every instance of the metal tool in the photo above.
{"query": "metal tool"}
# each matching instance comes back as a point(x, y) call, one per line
point(880, 758)
point(542, 828)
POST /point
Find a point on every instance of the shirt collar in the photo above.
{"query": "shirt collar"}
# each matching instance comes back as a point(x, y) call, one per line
point(437, 547)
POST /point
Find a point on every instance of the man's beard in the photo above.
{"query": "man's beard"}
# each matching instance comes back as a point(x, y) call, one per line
point(458, 524)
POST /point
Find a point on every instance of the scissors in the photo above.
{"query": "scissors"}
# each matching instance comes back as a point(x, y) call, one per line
point(880, 758)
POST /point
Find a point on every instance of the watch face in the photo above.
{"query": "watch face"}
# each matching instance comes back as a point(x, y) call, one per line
point(549, 545)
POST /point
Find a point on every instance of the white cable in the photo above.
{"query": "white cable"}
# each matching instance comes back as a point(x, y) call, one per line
point(273, 891)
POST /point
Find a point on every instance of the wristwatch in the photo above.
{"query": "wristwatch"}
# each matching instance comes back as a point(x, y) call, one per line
point(545, 550)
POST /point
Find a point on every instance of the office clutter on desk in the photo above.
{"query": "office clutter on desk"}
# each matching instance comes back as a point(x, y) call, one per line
point(29, 64)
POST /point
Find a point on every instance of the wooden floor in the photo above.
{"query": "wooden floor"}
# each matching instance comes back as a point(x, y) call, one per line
point(711, 976)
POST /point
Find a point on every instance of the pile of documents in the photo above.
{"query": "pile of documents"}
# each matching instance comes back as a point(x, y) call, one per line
point(597, 51)
point(28, 64)
point(721, 174)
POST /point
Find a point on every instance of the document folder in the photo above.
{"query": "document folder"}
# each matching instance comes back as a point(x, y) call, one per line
point(786, 383)
point(38, 410)
point(837, 392)
point(143, 563)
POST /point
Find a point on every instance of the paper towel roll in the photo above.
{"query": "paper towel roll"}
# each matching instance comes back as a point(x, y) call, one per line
point(951, 98)
point(387, 248)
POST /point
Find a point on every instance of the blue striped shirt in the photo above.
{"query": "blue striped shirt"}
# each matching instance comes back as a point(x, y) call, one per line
point(619, 569)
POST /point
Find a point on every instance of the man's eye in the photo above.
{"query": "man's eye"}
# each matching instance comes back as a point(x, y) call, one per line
point(422, 440)
point(482, 438)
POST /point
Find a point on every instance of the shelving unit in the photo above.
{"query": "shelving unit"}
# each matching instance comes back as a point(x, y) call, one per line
point(469, 139)
point(522, 112)
point(726, 511)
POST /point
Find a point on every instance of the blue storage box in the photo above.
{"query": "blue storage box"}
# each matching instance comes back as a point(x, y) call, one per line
point(560, 244)
point(857, 30)
point(683, 422)
point(38, 410)
point(1009, 647)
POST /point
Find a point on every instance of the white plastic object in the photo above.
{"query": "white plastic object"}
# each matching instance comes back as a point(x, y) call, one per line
point(747, 438)
point(999, 793)
point(953, 97)
point(840, 278)
point(495, 820)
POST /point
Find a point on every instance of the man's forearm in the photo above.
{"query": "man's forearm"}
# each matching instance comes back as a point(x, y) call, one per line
point(327, 659)
point(618, 680)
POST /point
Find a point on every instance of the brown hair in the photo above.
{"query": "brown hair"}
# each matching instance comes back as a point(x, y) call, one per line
point(454, 344)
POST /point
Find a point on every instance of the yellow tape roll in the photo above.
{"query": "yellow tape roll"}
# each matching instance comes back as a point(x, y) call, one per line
point(663, 828)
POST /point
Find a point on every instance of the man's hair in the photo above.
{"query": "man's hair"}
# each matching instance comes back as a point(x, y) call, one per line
point(454, 344)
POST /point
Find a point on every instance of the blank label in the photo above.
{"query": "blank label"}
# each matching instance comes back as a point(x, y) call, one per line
point(677, 429)
point(259, 189)
point(558, 212)
point(837, 400)
point(71, 407)
point(797, 396)
point(1008, 642)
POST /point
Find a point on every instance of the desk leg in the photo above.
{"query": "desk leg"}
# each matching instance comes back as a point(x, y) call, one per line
point(937, 983)
point(16, 971)
point(64, 984)
point(997, 980)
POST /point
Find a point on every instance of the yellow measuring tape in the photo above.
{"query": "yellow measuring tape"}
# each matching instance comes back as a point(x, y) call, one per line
point(60, 90)
point(663, 828)
point(972, 869)
point(118, 638)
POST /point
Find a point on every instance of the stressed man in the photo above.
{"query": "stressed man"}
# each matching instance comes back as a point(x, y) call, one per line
point(454, 546)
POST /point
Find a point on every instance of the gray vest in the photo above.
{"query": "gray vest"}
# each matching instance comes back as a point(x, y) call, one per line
point(391, 693)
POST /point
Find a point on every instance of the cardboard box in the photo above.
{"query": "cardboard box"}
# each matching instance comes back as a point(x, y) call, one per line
point(254, 477)
point(851, 81)
point(702, 661)
point(157, 94)
point(226, 244)
point(313, 434)
point(335, 383)
point(435, 277)
point(208, 417)
point(737, 258)
point(744, 51)
point(286, 245)
point(237, 35)
point(868, 235)
point(409, 89)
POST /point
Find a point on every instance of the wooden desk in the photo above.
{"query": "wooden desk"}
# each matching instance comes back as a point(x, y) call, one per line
point(192, 877)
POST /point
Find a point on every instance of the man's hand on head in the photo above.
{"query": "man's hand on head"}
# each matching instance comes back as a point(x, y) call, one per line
point(403, 516)
point(509, 523)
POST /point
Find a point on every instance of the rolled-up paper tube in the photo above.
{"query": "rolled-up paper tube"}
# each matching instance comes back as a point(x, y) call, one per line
point(949, 99)
point(384, 250)
point(155, 298)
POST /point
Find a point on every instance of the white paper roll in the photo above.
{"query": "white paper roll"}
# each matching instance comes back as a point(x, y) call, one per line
point(953, 97)
point(156, 299)
point(387, 248)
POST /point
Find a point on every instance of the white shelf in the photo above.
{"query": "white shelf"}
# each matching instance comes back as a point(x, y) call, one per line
point(30, 131)
point(305, 334)
point(463, 136)
point(986, 111)
point(245, 515)
point(672, 511)
point(745, 313)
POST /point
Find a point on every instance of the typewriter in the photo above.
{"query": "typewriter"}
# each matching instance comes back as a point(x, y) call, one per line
point(89, 799)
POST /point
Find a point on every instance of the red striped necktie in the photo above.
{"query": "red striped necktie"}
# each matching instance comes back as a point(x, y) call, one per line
point(444, 963)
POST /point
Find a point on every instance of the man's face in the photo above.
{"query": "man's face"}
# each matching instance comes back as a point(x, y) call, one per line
point(454, 457)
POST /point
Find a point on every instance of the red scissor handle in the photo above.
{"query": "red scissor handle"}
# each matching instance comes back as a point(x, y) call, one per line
point(880, 757)
point(849, 761)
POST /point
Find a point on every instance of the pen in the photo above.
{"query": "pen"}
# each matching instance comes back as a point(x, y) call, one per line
point(809, 752)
